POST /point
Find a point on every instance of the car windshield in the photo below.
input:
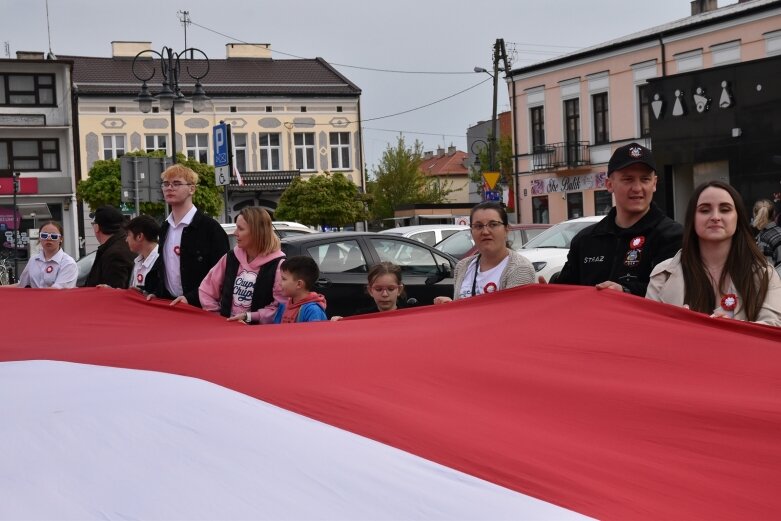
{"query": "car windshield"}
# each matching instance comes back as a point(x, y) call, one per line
point(558, 236)
point(457, 244)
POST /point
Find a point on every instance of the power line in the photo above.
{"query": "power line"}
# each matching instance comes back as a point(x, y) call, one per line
point(413, 132)
point(373, 69)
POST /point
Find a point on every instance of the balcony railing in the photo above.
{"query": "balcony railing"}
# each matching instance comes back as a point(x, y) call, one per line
point(277, 180)
point(565, 155)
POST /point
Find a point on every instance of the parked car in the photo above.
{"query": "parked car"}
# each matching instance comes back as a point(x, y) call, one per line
point(429, 234)
point(548, 251)
point(345, 258)
point(461, 244)
point(282, 228)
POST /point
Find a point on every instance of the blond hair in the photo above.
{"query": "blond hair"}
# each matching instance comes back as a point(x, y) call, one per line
point(263, 236)
point(763, 213)
point(182, 171)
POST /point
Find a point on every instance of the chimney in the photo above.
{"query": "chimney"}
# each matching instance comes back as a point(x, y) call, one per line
point(440, 151)
point(428, 155)
point(248, 50)
point(451, 150)
point(129, 49)
point(29, 55)
point(703, 6)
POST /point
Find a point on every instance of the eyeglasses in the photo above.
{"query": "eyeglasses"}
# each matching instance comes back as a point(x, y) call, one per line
point(491, 225)
point(381, 289)
point(175, 184)
point(46, 236)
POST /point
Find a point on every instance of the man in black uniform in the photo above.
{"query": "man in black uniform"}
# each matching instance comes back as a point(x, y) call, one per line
point(620, 251)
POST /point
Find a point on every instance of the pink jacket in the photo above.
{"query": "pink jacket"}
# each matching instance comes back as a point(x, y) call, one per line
point(211, 287)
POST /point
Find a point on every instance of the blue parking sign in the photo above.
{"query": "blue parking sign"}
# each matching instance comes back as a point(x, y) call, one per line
point(221, 153)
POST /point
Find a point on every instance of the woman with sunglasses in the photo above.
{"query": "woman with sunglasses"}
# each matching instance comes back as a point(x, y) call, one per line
point(719, 269)
point(495, 267)
point(385, 288)
point(51, 267)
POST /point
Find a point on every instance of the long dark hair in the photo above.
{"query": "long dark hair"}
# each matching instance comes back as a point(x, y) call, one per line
point(746, 265)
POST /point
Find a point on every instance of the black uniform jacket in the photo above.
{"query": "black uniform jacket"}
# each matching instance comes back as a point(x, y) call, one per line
point(604, 251)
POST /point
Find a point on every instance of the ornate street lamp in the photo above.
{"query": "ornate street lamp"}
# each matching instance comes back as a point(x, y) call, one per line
point(170, 96)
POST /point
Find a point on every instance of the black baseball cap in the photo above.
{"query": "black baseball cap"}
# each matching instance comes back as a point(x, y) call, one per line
point(629, 155)
point(108, 218)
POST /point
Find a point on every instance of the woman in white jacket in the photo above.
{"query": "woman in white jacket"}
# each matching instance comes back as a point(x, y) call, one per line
point(719, 269)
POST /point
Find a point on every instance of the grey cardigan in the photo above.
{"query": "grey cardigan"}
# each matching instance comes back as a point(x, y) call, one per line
point(519, 271)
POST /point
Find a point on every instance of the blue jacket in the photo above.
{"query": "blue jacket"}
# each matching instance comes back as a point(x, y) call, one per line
point(310, 312)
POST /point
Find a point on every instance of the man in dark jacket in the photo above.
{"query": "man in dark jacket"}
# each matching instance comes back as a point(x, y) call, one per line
point(113, 260)
point(191, 242)
point(620, 251)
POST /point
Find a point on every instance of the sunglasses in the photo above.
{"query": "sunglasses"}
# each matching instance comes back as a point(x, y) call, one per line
point(47, 236)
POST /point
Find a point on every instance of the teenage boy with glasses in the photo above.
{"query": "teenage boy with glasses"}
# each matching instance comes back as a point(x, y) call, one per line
point(191, 242)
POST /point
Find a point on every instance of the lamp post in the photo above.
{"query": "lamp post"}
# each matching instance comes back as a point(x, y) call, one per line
point(171, 97)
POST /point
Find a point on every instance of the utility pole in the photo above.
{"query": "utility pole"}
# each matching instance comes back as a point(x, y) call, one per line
point(184, 18)
point(499, 54)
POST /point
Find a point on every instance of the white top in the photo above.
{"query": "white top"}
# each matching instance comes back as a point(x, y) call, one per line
point(141, 267)
point(173, 243)
point(58, 272)
point(487, 281)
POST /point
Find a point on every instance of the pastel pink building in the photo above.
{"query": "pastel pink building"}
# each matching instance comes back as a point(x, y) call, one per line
point(571, 112)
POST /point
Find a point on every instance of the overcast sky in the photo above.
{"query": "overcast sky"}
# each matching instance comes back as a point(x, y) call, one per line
point(409, 35)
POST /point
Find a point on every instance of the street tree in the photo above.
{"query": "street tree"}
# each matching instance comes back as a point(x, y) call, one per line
point(398, 180)
point(324, 200)
point(103, 186)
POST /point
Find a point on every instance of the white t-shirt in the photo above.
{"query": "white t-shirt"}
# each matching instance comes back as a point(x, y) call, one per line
point(58, 272)
point(487, 281)
point(173, 244)
point(141, 267)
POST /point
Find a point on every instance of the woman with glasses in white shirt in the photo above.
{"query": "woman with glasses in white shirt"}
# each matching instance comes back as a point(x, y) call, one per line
point(51, 267)
point(495, 267)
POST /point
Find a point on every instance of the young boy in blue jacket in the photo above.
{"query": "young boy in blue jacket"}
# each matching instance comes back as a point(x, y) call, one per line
point(297, 278)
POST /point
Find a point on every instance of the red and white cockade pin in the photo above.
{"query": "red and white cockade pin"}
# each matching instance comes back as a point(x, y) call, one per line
point(490, 287)
point(729, 302)
point(140, 278)
point(637, 242)
point(49, 269)
point(177, 250)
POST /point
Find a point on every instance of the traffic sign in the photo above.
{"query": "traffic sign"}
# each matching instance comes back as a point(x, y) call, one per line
point(492, 195)
point(490, 179)
point(221, 150)
point(222, 175)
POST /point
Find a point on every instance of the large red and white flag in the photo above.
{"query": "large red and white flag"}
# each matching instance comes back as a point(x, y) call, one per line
point(542, 402)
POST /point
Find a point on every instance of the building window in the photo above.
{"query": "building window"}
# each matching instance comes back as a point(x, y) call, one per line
point(572, 129)
point(601, 118)
point(644, 102)
point(338, 108)
point(303, 108)
point(27, 90)
point(269, 108)
point(537, 118)
point(198, 147)
point(240, 152)
point(113, 146)
point(112, 110)
point(340, 150)
point(603, 202)
point(689, 61)
point(304, 144)
point(233, 108)
point(574, 205)
point(155, 110)
point(269, 152)
point(724, 53)
point(540, 212)
point(25, 155)
point(156, 142)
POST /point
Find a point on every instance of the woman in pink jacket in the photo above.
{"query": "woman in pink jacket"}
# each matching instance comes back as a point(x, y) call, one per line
point(245, 282)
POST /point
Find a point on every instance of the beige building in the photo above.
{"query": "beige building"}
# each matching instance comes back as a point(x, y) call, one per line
point(288, 117)
point(570, 113)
